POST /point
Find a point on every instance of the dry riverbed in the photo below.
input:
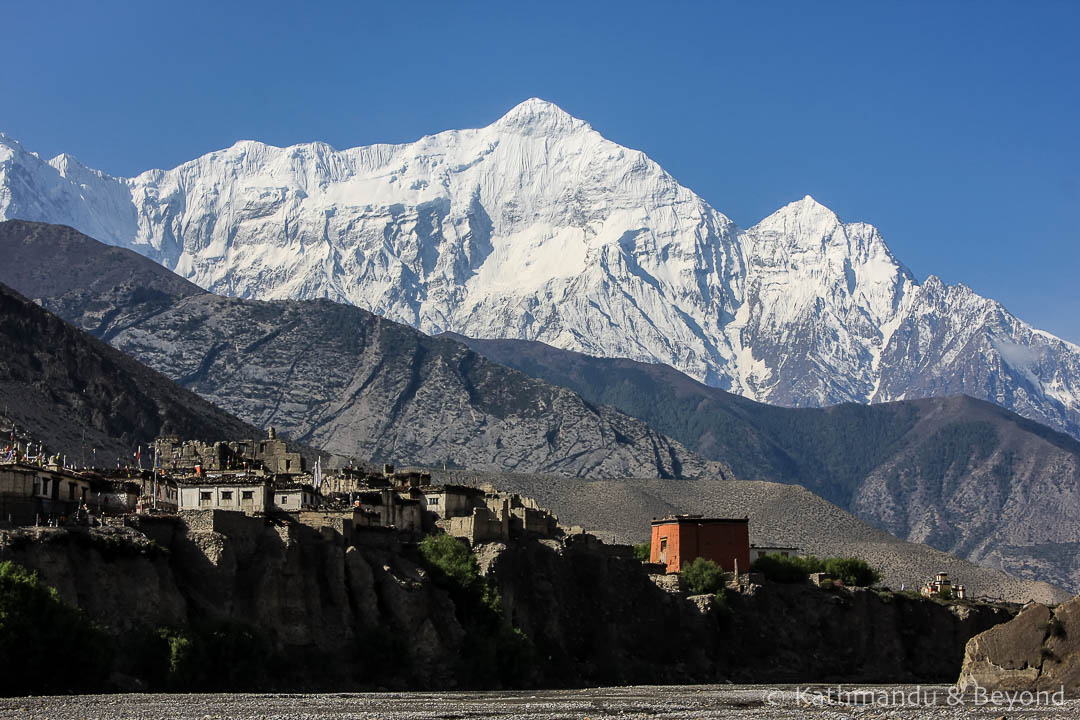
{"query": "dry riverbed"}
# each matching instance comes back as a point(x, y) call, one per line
point(723, 701)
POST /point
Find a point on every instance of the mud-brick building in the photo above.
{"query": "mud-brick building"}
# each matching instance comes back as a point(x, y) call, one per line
point(250, 494)
point(391, 510)
point(269, 454)
point(293, 496)
point(31, 494)
point(679, 540)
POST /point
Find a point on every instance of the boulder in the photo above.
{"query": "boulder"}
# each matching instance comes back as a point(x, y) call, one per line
point(1037, 650)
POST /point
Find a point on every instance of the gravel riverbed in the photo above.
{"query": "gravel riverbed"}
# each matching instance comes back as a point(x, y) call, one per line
point(724, 701)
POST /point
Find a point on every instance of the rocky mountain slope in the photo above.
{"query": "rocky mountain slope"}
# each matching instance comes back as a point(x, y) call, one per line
point(537, 227)
point(77, 394)
point(334, 376)
point(958, 474)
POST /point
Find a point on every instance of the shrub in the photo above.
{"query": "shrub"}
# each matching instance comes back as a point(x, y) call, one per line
point(851, 571)
point(643, 551)
point(703, 576)
point(46, 646)
point(217, 656)
point(778, 568)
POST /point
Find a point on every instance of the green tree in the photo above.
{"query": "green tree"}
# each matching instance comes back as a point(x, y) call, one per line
point(643, 551)
point(450, 562)
point(46, 646)
point(855, 572)
point(494, 652)
point(703, 576)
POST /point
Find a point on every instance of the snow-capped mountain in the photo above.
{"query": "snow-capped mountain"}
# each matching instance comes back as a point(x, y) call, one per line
point(537, 227)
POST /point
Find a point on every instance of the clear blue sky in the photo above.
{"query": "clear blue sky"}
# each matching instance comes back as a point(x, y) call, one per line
point(951, 126)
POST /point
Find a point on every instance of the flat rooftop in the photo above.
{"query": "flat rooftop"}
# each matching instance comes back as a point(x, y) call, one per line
point(697, 520)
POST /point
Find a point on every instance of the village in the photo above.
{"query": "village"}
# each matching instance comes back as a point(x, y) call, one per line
point(263, 478)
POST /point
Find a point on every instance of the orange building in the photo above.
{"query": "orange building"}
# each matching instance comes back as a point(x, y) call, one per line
point(676, 541)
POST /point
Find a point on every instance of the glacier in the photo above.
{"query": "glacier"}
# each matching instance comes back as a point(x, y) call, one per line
point(537, 227)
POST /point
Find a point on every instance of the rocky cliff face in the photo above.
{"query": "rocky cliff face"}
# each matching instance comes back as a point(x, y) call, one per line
point(536, 227)
point(574, 599)
point(1038, 650)
point(351, 617)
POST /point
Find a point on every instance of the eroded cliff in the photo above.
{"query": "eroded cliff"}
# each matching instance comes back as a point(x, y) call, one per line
point(317, 613)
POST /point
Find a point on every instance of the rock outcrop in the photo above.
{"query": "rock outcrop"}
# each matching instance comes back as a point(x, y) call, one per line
point(342, 617)
point(1038, 650)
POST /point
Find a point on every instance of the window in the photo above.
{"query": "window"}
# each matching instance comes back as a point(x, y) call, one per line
point(71, 490)
point(247, 495)
point(226, 495)
point(287, 464)
point(284, 499)
point(205, 496)
point(433, 501)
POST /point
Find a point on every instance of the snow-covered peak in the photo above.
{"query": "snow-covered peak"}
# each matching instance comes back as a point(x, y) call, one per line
point(538, 117)
point(10, 147)
point(805, 219)
point(69, 166)
point(537, 227)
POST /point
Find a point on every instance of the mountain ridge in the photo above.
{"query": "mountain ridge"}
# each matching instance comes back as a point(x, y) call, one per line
point(537, 227)
point(334, 376)
point(78, 395)
point(960, 474)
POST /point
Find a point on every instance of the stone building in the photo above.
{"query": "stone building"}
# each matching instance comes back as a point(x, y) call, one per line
point(441, 502)
point(246, 493)
point(129, 491)
point(758, 551)
point(114, 496)
point(340, 523)
point(269, 454)
point(481, 514)
point(479, 525)
point(942, 586)
point(30, 495)
point(391, 509)
point(293, 497)
point(679, 540)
